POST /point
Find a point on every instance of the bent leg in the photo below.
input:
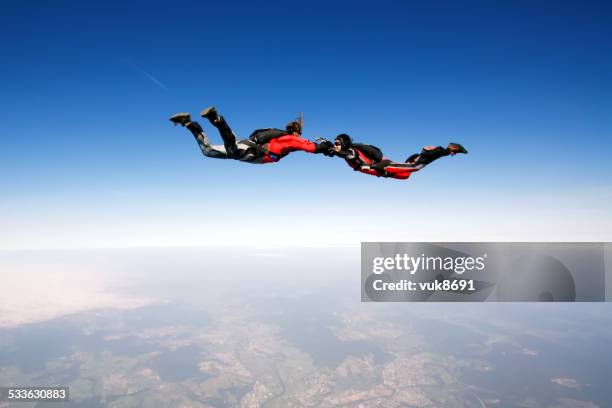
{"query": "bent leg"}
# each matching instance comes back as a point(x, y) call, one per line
point(228, 136)
point(214, 151)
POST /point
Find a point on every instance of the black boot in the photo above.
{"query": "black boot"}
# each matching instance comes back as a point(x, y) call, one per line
point(454, 148)
point(180, 119)
point(211, 114)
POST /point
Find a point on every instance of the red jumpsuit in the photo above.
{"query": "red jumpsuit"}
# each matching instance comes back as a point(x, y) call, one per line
point(360, 161)
point(278, 147)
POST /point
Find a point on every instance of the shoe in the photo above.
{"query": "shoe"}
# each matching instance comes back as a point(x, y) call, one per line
point(209, 113)
point(454, 148)
point(180, 119)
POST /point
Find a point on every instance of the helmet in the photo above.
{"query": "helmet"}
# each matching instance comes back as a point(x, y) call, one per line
point(344, 140)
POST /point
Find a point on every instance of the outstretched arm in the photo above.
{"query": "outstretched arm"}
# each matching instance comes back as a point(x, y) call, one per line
point(291, 143)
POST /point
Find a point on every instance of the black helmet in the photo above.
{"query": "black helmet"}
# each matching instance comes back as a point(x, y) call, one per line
point(344, 140)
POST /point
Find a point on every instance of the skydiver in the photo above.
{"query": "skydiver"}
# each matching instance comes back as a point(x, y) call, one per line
point(263, 145)
point(369, 159)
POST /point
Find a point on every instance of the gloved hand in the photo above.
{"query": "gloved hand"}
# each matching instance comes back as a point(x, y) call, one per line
point(326, 147)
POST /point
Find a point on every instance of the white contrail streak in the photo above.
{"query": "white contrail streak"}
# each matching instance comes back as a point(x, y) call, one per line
point(482, 404)
point(145, 73)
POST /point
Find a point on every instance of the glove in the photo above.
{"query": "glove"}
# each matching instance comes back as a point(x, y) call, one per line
point(326, 144)
point(326, 147)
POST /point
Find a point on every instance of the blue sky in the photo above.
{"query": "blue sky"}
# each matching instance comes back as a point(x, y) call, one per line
point(88, 157)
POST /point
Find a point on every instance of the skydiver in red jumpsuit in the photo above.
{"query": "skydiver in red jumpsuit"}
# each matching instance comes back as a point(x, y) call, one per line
point(369, 159)
point(263, 145)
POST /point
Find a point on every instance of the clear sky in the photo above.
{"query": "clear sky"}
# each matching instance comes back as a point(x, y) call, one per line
point(88, 157)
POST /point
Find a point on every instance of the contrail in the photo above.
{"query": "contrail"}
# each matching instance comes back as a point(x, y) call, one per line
point(482, 404)
point(145, 73)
